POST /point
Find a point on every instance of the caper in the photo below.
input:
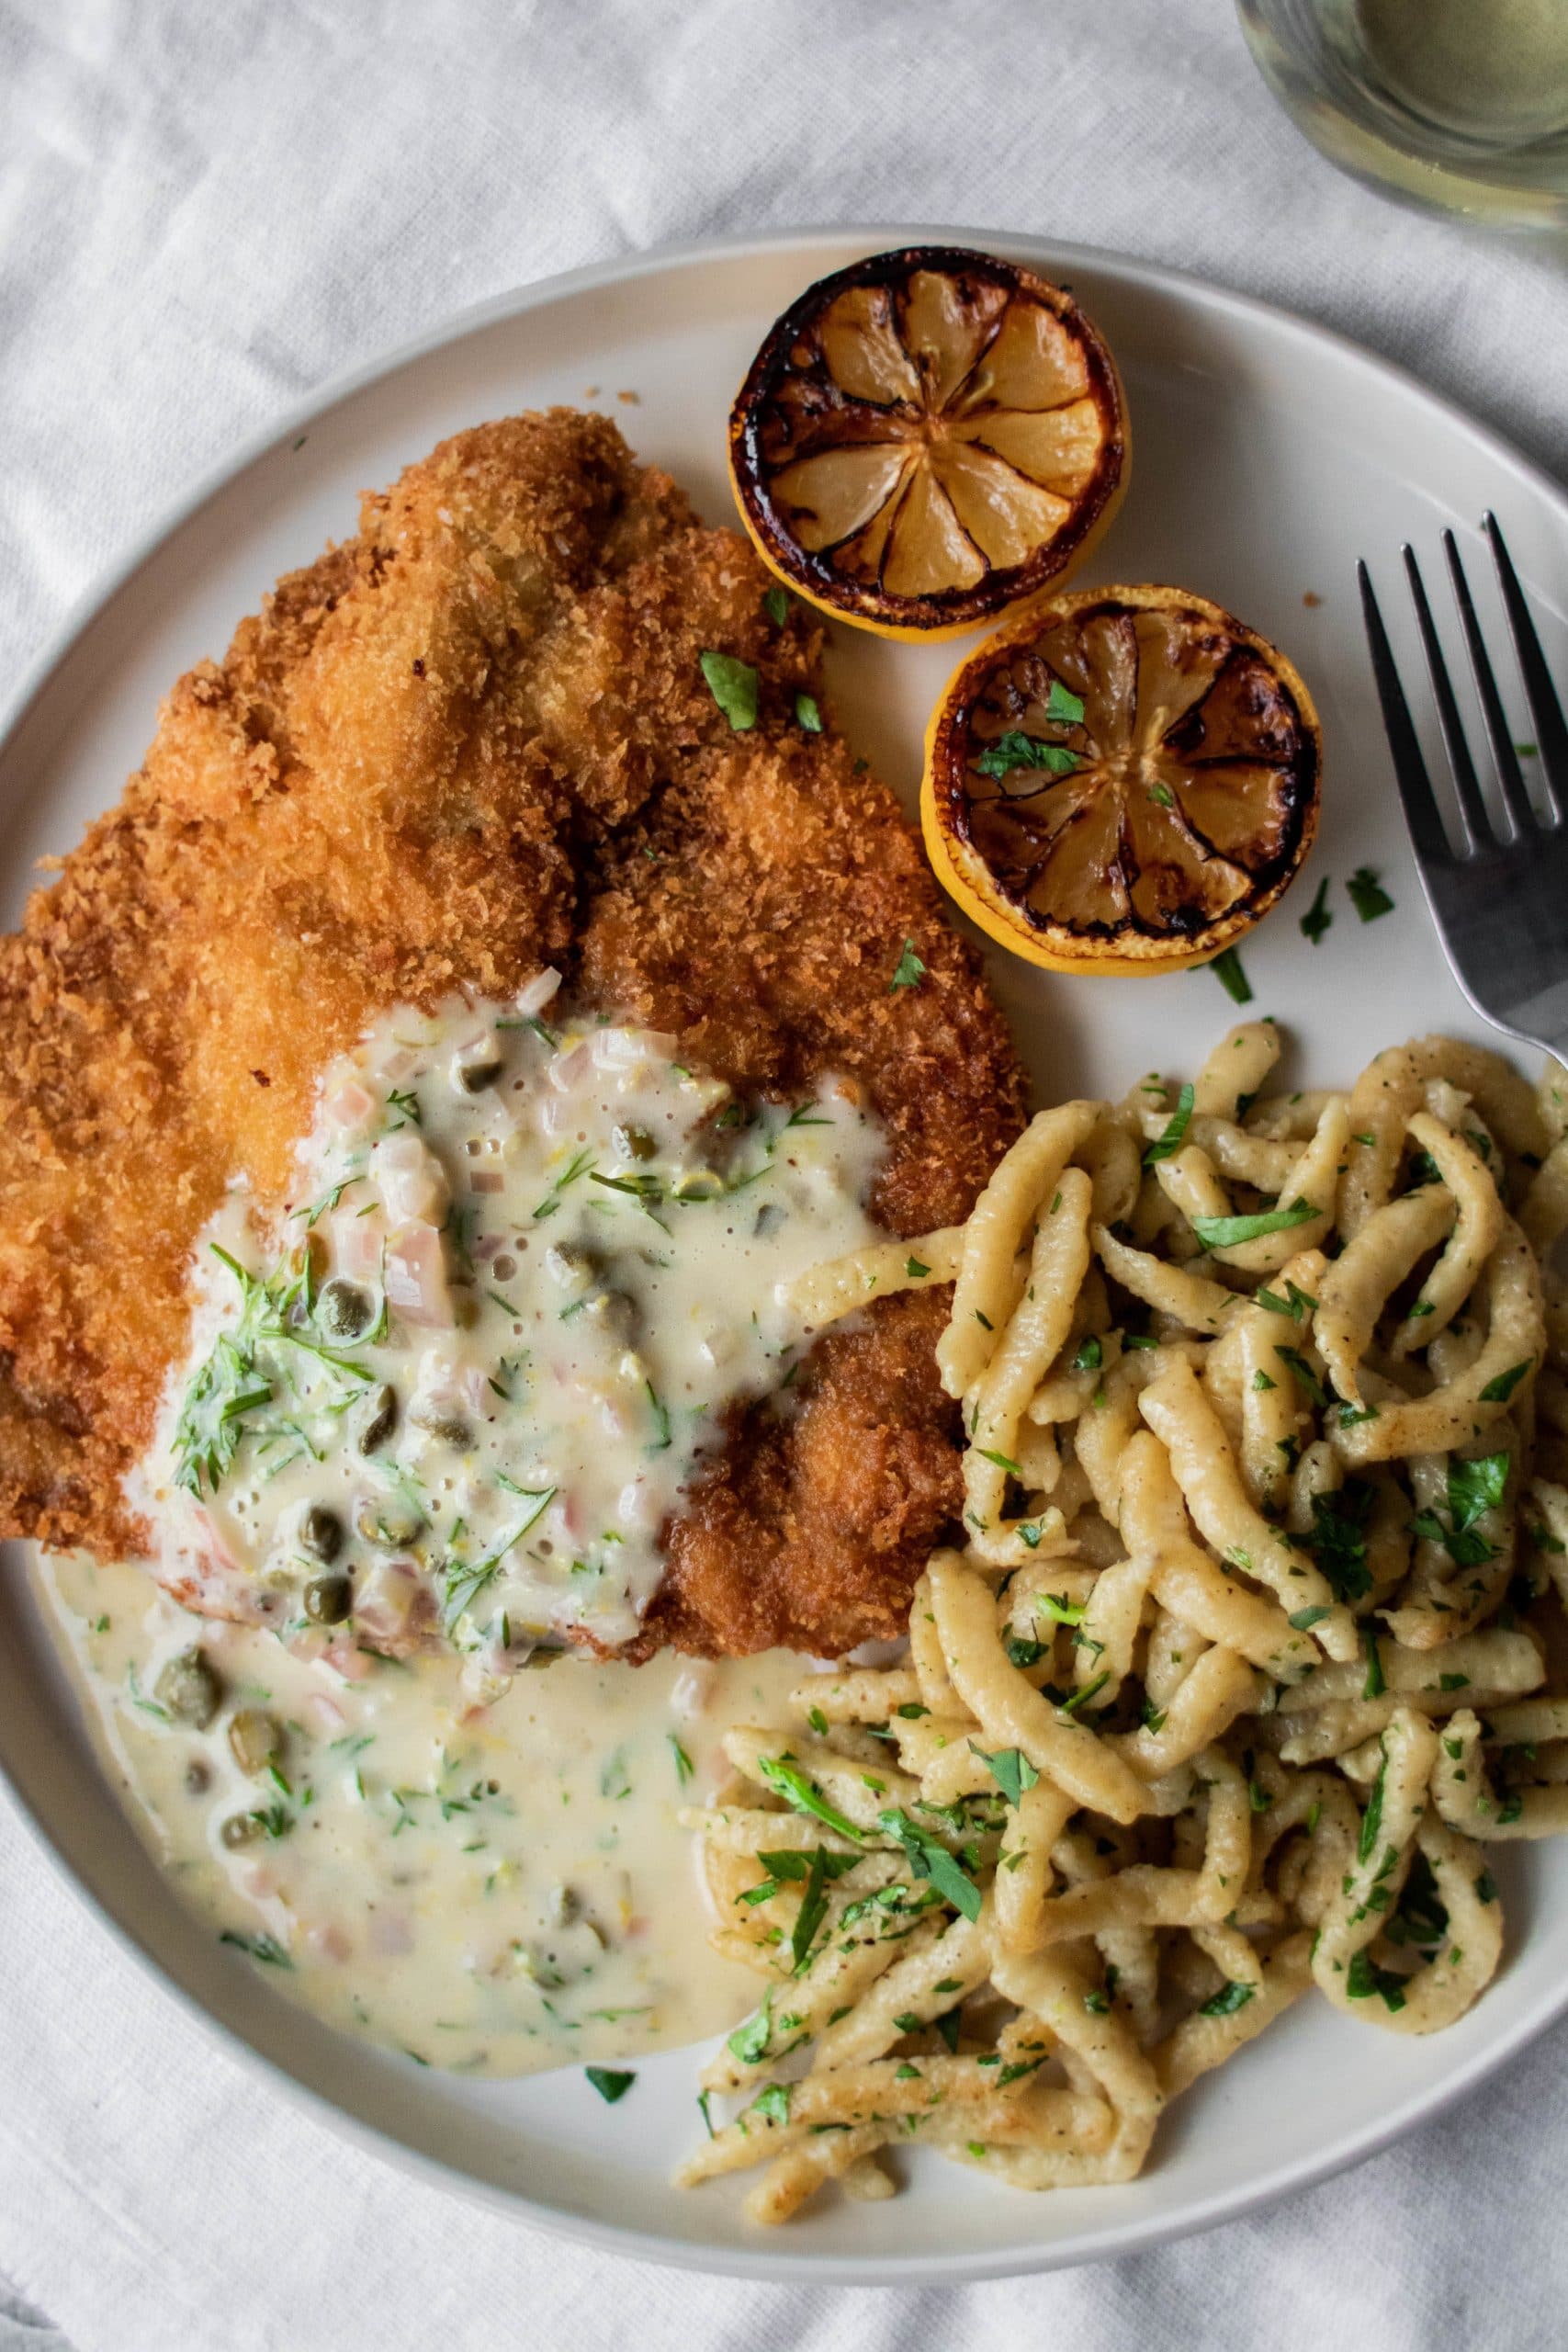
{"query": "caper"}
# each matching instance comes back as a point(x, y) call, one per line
point(189, 1689)
point(572, 1267)
point(380, 1419)
point(344, 1310)
point(240, 1829)
point(613, 1311)
point(388, 1523)
point(474, 1077)
point(443, 1423)
point(320, 1533)
point(635, 1143)
point(698, 1184)
point(327, 1599)
point(254, 1739)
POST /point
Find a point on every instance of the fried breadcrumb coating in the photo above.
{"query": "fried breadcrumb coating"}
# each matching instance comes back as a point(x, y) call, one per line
point(473, 742)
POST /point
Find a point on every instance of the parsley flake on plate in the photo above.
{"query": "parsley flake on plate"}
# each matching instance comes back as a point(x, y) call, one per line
point(1226, 969)
point(1367, 894)
point(610, 2082)
point(1318, 918)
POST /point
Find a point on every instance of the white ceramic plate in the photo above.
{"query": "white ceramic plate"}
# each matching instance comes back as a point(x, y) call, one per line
point(1269, 455)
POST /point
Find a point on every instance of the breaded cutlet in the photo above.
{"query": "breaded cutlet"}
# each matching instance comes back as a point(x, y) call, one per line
point(474, 740)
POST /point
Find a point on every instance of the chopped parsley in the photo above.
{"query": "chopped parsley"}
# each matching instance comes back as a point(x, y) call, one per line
point(909, 972)
point(1316, 919)
point(1227, 2000)
point(1226, 969)
point(661, 1411)
point(1058, 1608)
point(610, 2082)
point(812, 1912)
point(1371, 1820)
point(1000, 1461)
point(929, 1859)
point(1082, 1697)
point(1175, 1129)
point(1010, 1768)
point(1229, 1232)
point(794, 1864)
point(750, 2040)
point(263, 1947)
point(734, 687)
point(1016, 750)
point(1367, 894)
point(1306, 1378)
point(1339, 1542)
point(1498, 1391)
point(1364, 1977)
point(274, 1341)
point(1296, 1304)
point(785, 1778)
point(1477, 1487)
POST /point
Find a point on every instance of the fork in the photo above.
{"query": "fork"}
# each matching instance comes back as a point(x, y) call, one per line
point(1499, 898)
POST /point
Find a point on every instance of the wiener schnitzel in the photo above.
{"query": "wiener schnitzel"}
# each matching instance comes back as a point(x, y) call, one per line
point(476, 740)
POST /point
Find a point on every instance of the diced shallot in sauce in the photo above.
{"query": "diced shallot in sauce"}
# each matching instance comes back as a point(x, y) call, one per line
point(412, 1181)
point(415, 1277)
point(536, 994)
point(347, 1106)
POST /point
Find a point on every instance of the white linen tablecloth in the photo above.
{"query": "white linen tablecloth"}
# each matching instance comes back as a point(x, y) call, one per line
point(204, 211)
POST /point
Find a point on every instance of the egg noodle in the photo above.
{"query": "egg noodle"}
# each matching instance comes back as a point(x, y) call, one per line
point(1259, 1629)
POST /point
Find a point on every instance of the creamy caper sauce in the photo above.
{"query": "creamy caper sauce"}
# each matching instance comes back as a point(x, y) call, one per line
point(458, 1385)
point(434, 1416)
point(495, 1888)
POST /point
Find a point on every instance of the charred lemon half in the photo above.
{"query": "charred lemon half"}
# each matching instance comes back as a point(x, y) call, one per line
point(927, 437)
point(1123, 780)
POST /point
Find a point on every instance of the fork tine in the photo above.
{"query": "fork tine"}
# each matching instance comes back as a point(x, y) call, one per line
point(1473, 807)
point(1546, 710)
point(1521, 816)
point(1421, 812)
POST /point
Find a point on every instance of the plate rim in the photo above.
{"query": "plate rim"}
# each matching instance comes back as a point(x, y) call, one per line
point(774, 2261)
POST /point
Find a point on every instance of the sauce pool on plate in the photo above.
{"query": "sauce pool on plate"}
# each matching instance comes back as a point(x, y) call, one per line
point(493, 1890)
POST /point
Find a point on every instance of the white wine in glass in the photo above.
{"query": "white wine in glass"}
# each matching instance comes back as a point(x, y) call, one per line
point(1456, 104)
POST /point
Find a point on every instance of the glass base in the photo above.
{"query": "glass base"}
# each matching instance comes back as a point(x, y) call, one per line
point(1310, 53)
